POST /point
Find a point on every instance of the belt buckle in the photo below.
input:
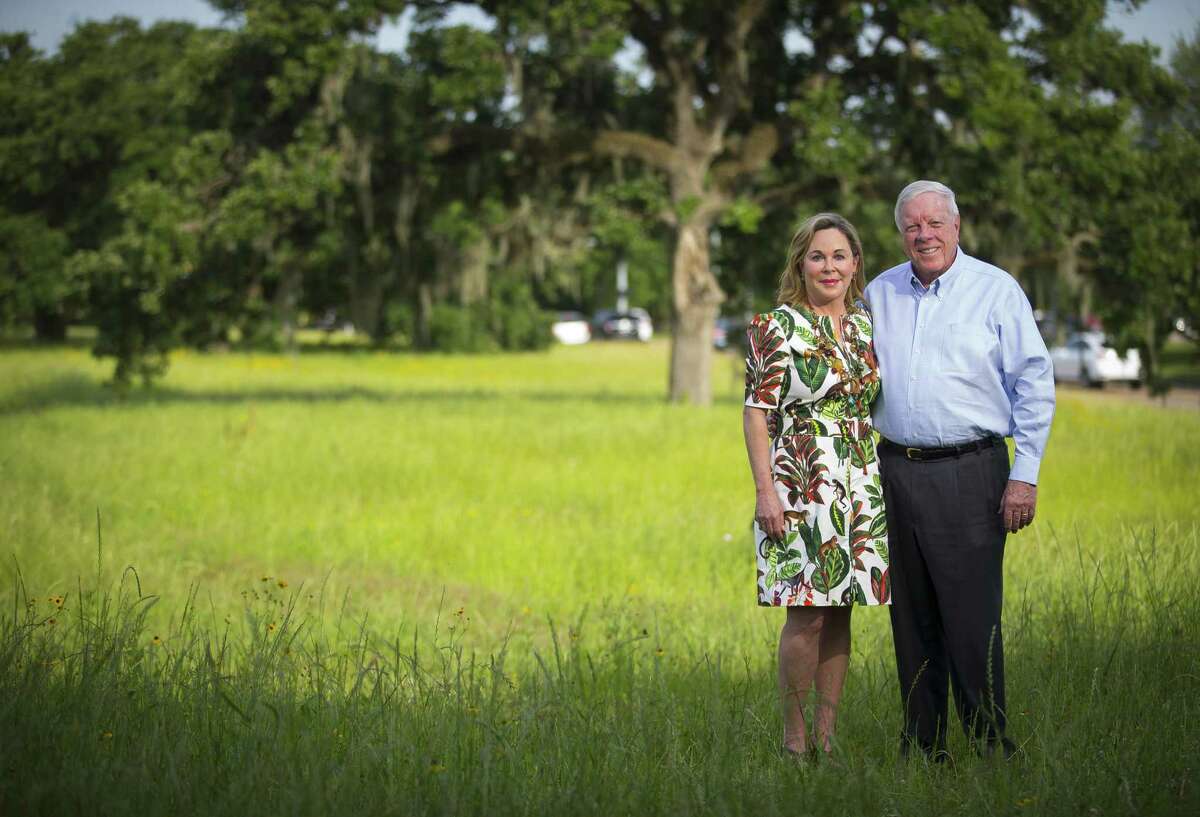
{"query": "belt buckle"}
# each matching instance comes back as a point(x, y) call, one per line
point(910, 453)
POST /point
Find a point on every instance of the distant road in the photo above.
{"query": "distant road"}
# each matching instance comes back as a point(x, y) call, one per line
point(1184, 397)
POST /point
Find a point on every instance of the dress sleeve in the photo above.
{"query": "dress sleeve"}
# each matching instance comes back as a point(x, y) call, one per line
point(766, 362)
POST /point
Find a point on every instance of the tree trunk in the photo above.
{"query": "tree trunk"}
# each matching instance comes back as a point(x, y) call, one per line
point(366, 301)
point(49, 325)
point(473, 272)
point(697, 297)
point(424, 321)
point(703, 108)
point(287, 299)
point(1079, 287)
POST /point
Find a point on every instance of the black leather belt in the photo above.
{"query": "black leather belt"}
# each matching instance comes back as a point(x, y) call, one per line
point(923, 454)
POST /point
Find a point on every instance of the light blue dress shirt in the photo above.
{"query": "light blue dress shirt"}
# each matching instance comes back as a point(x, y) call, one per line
point(960, 360)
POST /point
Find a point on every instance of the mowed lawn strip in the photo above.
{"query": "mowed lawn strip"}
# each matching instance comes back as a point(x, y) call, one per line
point(524, 584)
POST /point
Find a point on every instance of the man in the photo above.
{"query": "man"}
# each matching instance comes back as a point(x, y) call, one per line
point(963, 366)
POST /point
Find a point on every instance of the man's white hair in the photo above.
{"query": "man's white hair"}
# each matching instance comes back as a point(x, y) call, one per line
point(924, 186)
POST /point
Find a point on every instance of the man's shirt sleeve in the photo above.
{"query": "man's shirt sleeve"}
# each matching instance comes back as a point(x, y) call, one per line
point(1029, 381)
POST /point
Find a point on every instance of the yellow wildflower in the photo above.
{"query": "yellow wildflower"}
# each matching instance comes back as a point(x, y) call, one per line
point(282, 583)
point(156, 641)
point(106, 734)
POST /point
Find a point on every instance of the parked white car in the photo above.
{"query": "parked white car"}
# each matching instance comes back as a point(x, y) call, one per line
point(1087, 358)
point(571, 328)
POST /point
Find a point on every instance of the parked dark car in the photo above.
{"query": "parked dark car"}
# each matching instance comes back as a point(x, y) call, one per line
point(635, 324)
point(729, 333)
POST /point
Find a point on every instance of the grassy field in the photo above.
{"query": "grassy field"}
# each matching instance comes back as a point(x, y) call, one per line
point(382, 584)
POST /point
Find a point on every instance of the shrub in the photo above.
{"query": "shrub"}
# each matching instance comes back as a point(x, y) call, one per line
point(518, 323)
point(460, 328)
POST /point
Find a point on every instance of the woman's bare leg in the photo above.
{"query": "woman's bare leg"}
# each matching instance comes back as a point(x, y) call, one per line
point(799, 653)
point(833, 660)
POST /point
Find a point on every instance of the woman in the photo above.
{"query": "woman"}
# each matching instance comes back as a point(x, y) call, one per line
point(819, 525)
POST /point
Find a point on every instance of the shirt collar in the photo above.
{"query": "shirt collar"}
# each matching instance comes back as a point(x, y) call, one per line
point(943, 283)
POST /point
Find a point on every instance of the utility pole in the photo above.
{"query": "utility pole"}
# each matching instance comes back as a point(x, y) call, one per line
point(622, 286)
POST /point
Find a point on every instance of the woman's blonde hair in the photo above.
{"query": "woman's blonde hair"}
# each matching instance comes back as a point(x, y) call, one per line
point(791, 283)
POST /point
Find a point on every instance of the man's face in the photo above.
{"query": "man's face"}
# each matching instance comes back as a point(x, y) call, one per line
point(930, 235)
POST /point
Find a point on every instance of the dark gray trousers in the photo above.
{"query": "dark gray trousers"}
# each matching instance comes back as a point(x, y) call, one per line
point(946, 539)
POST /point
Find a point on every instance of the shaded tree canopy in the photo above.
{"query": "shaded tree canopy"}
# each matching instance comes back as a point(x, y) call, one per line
point(183, 186)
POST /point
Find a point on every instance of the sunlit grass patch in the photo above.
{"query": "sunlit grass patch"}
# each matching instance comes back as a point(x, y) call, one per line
point(376, 583)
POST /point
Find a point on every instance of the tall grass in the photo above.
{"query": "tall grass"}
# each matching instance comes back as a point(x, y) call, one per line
point(523, 585)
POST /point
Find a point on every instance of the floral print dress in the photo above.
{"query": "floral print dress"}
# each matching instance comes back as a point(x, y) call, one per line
point(817, 392)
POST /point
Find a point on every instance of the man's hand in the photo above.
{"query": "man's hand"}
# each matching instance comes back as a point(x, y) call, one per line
point(1017, 506)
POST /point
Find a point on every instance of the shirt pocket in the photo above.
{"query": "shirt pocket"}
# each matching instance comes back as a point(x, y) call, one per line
point(968, 349)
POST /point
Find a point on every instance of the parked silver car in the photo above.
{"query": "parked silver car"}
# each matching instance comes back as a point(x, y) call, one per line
point(1088, 358)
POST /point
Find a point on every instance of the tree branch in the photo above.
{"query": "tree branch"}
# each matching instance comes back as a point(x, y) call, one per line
point(757, 148)
point(773, 197)
point(733, 65)
point(654, 152)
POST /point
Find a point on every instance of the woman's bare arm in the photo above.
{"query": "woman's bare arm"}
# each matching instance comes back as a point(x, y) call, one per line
point(768, 511)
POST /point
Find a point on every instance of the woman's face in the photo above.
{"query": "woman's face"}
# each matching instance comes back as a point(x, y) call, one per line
point(829, 265)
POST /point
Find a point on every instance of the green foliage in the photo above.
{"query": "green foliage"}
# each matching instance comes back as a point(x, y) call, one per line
point(519, 324)
point(744, 215)
point(32, 275)
point(468, 67)
point(624, 227)
point(304, 42)
point(1149, 263)
point(399, 325)
point(510, 320)
point(131, 277)
point(833, 136)
point(461, 329)
point(455, 224)
point(277, 193)
point(319, 175)
point(1185, 66)
point(1150, 267)
point(79, 127)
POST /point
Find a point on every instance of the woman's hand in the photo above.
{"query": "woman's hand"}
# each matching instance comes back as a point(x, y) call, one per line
point(768, 510)
point(768, 513)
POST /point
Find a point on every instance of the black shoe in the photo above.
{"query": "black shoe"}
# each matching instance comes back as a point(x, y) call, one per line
point(913, 748)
